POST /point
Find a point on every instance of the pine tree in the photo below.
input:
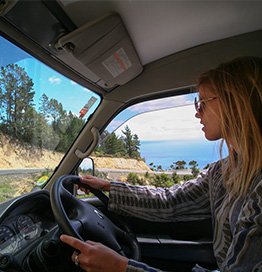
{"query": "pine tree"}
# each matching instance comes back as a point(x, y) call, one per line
point(113, 145)
point(16, 96)
point(69, 127)
point(131, 143)
point(44, 106)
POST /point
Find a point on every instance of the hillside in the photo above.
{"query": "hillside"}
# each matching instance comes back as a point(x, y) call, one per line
point(12, 155)
point(120, 163)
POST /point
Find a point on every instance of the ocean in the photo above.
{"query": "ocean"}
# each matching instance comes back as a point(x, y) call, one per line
point(164, 153)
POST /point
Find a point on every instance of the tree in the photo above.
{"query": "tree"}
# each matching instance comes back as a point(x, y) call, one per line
point(207, 166)
point(69, 126)
point(131, 143)
point(194, 168)
point(16, 96)
point(126, 145)
point(44, 106)
point(152, 166)
point(65, 126)
point(56, 110)
point(54, 113)
point(113, 145)
point(99, 150)
point(50, 128)
point(172, 167)
point(43, 136)
point(180, 165)
point(159, 168)
point(110, 144)
point(193, 163)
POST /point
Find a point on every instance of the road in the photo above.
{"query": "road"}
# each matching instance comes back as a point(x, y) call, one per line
point(4, 172)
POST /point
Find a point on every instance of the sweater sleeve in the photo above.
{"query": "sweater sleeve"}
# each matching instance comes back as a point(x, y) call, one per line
point(186, 202)
point(244, 253)
point(134, 266)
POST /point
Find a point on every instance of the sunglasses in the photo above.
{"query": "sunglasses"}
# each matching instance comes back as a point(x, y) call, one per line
point(200, 104)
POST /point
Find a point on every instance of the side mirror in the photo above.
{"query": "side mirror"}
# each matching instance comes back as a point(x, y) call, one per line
point(86, 167)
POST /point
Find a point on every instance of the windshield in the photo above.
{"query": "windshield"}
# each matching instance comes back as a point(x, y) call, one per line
point(41, 114)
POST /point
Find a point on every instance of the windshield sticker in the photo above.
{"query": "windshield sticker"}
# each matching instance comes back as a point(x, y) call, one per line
point(87, 107)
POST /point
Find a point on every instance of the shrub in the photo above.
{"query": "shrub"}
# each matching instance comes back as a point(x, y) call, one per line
point(187, 177)
point(134, 179)
point(162, 180)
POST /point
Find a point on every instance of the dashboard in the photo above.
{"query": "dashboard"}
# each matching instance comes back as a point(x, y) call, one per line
point(28, 233)
point(30, 229)
point(19, 231)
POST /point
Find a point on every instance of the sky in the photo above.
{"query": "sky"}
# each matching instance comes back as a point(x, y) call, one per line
point(72, 96)
point(168, 124)
point(171, 118)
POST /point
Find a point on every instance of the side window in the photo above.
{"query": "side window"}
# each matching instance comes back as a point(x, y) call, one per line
point(158, 143)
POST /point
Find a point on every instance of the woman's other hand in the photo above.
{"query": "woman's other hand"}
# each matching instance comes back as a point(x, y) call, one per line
point(95, 257)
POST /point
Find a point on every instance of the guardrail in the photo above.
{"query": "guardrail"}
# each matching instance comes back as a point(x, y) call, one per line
point(4, 172)
point(116, 174)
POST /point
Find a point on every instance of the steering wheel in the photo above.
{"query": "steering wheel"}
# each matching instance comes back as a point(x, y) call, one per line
point(85, 222)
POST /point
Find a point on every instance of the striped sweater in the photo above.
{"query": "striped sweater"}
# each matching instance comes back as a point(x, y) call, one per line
point(237, 221)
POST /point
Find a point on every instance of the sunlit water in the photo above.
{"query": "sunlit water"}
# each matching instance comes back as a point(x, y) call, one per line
point(164, 153)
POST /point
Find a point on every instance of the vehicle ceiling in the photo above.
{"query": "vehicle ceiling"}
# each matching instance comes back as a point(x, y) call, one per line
point(173, 39)
point(161, 28)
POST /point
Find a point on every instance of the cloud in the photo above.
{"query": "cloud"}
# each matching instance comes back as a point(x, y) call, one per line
point(169, 124)
point(86, 90)
point(114, 125)
point(163, 103)
point(54, 80)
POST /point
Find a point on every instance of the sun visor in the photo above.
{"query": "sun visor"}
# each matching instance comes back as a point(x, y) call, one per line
point(105, 48)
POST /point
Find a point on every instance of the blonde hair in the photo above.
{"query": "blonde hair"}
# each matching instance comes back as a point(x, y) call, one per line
point(238, 85)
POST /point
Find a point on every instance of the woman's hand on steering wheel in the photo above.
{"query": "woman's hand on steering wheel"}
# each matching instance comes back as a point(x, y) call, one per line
point(95, 183)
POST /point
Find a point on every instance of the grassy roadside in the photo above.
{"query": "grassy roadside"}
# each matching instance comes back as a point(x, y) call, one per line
point(15, 185)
